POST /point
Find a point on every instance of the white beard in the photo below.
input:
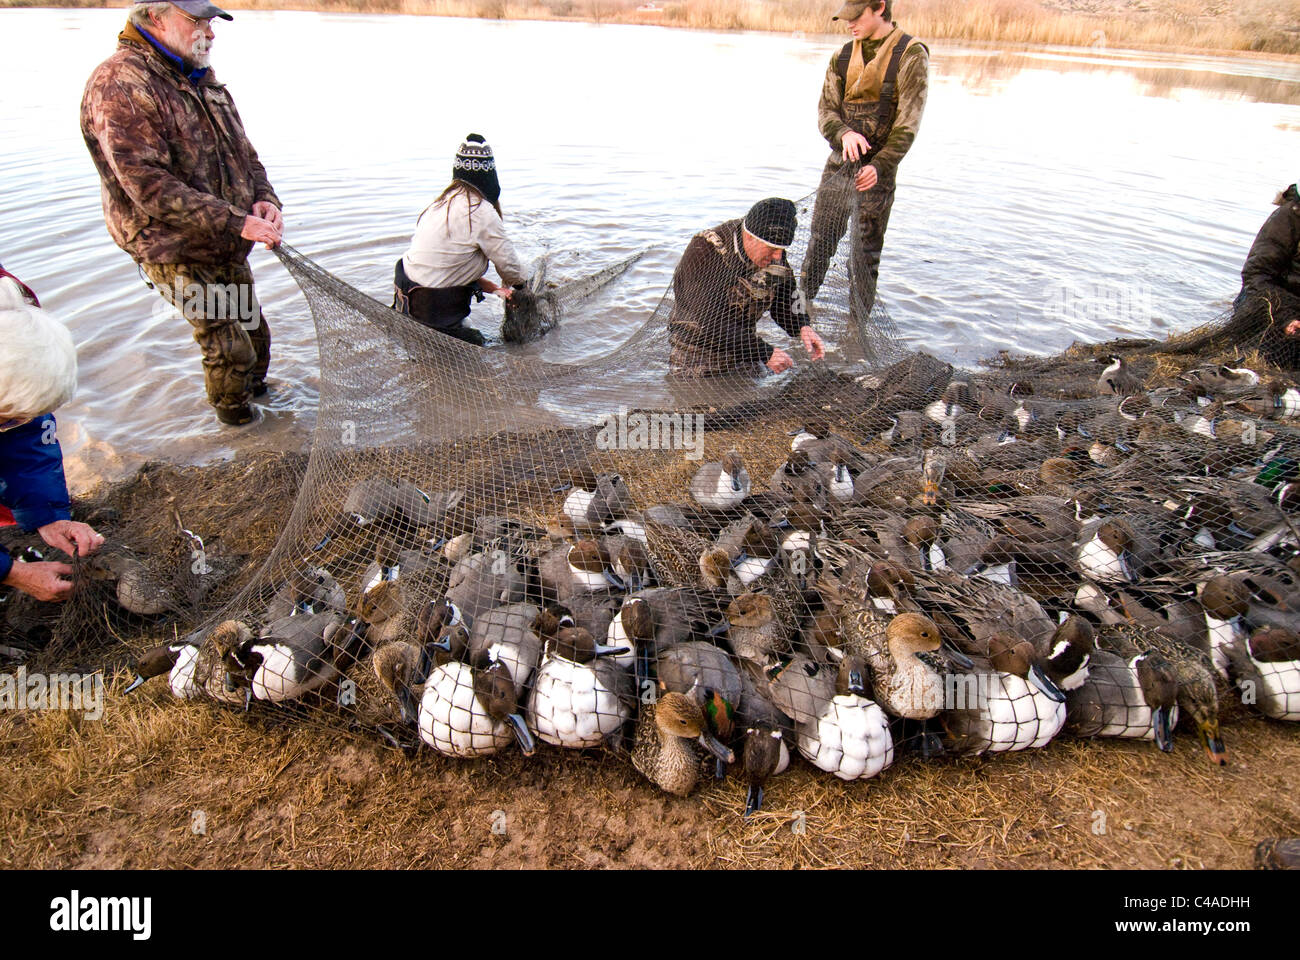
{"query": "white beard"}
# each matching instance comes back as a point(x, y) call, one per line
point(200, 54)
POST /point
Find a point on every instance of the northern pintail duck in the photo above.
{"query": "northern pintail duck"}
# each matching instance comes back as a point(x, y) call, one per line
point(178, 660)
point(574, 569)
point(597, 500)
point(472, 710)
point(1266, 665)
point(292, 656)
point(722, 484)
point(579, 698)
point(798, 480)
point(1135, 698)
point(1016, 706)
point(664, 751)
point(840, 729)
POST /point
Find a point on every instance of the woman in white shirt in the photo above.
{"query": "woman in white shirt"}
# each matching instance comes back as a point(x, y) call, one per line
point(455, 237)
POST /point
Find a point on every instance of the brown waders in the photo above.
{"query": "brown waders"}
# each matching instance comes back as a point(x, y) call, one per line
point(839, 201)
point(219, 302)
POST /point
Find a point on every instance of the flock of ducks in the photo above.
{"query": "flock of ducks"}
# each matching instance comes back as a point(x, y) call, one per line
point(1006, 563)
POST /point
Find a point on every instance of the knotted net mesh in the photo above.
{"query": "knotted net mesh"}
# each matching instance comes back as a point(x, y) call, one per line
point(706, 566)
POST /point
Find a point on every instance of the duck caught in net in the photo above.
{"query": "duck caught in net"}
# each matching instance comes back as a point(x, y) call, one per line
point(764, 529)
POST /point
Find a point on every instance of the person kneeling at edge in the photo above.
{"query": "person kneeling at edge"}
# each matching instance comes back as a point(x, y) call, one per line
point(454, 239)
point(1269, 302)
point(727, 279)
point(38, 372)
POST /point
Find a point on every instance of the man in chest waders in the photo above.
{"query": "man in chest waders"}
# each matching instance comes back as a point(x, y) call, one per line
point(869, 112)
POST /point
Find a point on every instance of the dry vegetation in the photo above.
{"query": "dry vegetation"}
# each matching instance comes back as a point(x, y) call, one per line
point(123, 793)
point(1266, 26)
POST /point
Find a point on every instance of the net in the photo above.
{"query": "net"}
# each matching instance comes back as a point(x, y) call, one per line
point(712, 568)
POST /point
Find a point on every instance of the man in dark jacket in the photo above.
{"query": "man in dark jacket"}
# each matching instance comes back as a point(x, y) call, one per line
point(38, 372)
point(183, 190)
point(869, 111)
point(1269, 302)
point(727, 279)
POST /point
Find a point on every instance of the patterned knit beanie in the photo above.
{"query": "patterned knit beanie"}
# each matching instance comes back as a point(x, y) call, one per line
point(475, 165)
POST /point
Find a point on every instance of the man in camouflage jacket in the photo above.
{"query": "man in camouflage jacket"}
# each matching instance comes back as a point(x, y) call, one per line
point(850, 117)
point(727, 279)
point(183, 190)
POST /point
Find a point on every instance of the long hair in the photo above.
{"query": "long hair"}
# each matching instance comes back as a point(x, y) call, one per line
point(471, 192)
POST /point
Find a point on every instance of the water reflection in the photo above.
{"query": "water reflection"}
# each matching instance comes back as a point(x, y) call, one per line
point(1037, 174)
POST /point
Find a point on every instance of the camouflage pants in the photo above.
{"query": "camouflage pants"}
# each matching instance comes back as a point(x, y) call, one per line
point(219, 302)
point(836, 200)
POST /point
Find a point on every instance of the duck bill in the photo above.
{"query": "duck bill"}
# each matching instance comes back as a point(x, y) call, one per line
point(857, 683)
point(1209, 734)
point(604, 651)
point(614, 580)
point(956, 656)
point(1163, 729)
point(718, 629)
point(406, 705)
point(523, 736)
point(1126, 567)
point(1043, 683)
point(753, 799)
point(716, 747)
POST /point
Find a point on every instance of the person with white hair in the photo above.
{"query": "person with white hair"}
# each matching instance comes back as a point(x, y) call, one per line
point(183, 190)
point(38, 373)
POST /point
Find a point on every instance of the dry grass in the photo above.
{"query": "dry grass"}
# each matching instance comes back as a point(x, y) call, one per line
point(1265, 26)
point(124, 792)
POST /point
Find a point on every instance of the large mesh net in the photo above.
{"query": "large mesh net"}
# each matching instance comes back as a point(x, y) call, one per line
point(709, 567)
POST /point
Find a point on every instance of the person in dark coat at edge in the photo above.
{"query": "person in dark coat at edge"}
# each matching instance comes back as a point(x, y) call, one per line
point(1269, 302)
point(38, 372)
point(727, 279)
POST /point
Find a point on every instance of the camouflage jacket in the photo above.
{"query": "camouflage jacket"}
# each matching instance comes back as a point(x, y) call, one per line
point(833, 114)
point(1274, 259)
point(718, 298)
point(177, 173)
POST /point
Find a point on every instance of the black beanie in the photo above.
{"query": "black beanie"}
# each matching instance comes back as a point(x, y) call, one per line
point(475, 165)
point(773, 221)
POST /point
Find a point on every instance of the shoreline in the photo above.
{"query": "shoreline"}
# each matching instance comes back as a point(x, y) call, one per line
point(1258, 32)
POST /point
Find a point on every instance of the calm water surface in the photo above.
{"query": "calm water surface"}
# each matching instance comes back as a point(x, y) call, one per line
point(1127, 187)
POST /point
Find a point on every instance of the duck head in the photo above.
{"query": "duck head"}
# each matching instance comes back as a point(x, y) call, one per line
point(1225, 598)
point(381, 602)
point(750, 610)
point(1159, 686)
point(1010, 654)
point(915, 635)
point(921, 532)
point(495, 688)
point(433, 616)
point(733, 467)
point(232, 640)
point(638, 621)
point(1071, 648)
point(1274, 645)
point(853, 678)
point(451, 644)
point(715, 567)
point(678, 715)
point(396, 666)
point(760, 756)
point(577, 645)
point(154, 663)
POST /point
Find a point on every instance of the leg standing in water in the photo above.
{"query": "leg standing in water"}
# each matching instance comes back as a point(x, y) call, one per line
point(870, 110)
point(183, 189)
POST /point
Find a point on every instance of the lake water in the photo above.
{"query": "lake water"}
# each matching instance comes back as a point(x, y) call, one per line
point(1051, 194)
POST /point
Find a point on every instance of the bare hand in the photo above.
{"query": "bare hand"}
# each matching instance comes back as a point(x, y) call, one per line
point(855, 145)
point(812, 342)
point(73, 538)
point(260, 231)
point(504, 292)
point(866, 178)
point(269, 212)
point(1292, 328)
point(780, 361)
point(44, 581)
